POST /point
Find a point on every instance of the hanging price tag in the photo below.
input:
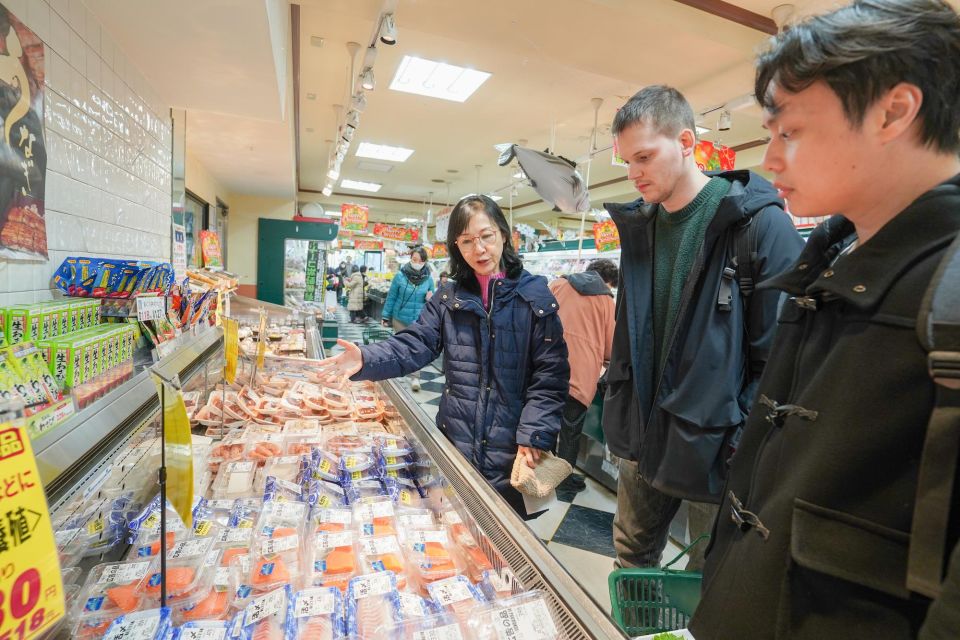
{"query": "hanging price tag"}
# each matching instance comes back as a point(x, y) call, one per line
point(231, 348)
point(31, 588)
point(179, 449)
point(262, 339)
point(151, 308)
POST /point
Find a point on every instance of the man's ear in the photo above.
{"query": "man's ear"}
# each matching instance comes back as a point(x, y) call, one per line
point(897, 111)
point(688, 140)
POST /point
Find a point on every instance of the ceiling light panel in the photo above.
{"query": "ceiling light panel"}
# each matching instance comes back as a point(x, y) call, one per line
point(383, 152)
point(437, 79)
point(358, 185)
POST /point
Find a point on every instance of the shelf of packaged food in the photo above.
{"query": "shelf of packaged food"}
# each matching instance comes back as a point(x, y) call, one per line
point(519, 557)
point(492, 520)
point(69, 450)
point(246, 310)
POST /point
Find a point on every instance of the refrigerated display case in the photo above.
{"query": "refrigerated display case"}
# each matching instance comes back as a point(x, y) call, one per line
point(112, 443)
point(553, 264)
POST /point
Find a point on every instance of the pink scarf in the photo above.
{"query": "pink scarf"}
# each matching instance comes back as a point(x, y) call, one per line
point(485, 285)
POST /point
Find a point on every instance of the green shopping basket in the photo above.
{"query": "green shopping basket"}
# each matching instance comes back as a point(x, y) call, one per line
point(653, 600)
point(375, 334)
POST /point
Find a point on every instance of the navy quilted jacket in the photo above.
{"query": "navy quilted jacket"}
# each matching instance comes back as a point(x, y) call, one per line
point(507, 372)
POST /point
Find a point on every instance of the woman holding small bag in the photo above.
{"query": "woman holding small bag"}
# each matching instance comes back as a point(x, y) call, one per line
point(505, 360)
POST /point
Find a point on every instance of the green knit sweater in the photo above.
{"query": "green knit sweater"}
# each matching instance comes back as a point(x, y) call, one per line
point(677, 238)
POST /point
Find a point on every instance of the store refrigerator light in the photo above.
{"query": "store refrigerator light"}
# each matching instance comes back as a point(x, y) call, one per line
point(359, 185)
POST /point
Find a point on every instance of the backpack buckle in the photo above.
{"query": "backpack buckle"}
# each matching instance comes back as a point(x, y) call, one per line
point(944, 368)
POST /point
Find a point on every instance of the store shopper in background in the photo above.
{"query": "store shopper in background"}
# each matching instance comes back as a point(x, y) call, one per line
point(689, 344)
point(586, 311)
point(356, 294)
point(820, 533)
point(444, 278)
point(412, 286)
point(505, 359)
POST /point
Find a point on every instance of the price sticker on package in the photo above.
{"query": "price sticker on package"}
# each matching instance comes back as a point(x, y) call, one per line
point(446, 632)
point(314, 602)
point(151, 308)
point(31, 587)
point(530, 621)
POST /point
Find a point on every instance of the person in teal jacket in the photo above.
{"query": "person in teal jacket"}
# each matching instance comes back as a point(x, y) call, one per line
point(410, 290)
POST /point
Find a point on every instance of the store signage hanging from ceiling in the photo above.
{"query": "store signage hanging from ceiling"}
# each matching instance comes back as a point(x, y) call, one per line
point(439, 250)
point(368, 245)
point(712, 156)
point(354, 217)
point(404, 234)
point(606, 236)
point(23, 227)
point(443, 222)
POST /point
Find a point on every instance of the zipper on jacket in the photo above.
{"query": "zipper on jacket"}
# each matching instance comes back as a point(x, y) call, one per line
point(484, 394)
point(678, 321)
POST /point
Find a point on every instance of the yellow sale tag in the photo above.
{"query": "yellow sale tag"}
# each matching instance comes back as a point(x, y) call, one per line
point(31, 588)
point(202, 528)
point(219, 307)
point(231, 349)
point(262, 339)
point(179, 449)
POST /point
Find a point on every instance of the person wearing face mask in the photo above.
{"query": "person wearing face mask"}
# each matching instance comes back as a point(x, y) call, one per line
point(412, 286)
point(505, 359)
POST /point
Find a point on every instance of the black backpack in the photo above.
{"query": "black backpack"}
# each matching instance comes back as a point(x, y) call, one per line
point(938, 327)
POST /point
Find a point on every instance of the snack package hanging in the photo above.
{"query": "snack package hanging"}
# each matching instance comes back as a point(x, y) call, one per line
point(210, 249)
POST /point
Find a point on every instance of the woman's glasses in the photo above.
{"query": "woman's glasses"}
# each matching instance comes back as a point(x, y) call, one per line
point(472, 243)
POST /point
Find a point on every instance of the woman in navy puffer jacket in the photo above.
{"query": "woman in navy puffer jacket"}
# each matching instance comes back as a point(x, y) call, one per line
point(505, 360)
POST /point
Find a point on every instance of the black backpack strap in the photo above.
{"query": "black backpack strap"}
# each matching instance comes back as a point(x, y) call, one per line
point(742, 265)
point(938, 327)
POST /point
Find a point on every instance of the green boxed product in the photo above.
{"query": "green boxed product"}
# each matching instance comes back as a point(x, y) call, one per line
point(63, 312)
point(23, 323)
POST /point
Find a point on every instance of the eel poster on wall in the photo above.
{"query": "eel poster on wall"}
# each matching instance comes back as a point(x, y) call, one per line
point(23, 156)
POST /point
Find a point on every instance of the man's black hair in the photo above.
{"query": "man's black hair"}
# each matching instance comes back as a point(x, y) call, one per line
point(662, 107)
point(866, 48)
point(606, 269)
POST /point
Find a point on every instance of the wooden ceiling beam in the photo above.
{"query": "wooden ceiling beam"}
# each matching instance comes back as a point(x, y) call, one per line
point(733, 13)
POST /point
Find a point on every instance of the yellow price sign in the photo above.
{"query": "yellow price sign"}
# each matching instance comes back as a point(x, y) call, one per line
point(179, 449)
point(31, 587)
point(262, 339)
point(231, 348)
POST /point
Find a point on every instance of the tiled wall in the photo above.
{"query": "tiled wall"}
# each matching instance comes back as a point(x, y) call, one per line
point(108, 145)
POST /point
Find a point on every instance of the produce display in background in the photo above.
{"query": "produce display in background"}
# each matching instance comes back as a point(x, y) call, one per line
point(210, 249)
point(711, 156)
point(354, 217)
point(23, 156)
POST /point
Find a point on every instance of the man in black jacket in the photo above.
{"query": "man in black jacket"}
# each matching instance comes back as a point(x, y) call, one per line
point(690, 341)
point(817, 535)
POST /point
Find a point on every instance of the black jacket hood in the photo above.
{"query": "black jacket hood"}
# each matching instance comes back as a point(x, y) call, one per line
point(588, 283)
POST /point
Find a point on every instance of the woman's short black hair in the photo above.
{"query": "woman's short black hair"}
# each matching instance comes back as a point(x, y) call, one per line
point(444, 274)
point(606, 269)
point(420, 251)
point(469, 206)
point(363, 269)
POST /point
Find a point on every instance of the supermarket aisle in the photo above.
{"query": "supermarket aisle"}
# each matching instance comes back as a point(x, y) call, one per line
point(577, 529)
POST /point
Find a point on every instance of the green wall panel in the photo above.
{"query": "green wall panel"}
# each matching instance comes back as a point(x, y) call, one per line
point(271, 235)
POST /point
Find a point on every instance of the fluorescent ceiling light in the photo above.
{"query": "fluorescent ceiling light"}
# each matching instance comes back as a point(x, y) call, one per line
point(327, 190)
point(494, 198)
point(410, 220)
point(437, 79)
point(333, 173)
point(520, 175)
point(702, 130)
point(359, 185)
point(383, 152)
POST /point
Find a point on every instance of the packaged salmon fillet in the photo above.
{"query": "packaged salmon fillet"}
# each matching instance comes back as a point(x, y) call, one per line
point(109, 591)
point(332, 559)
point(456, 595)
point(473, 556)
point(280, 518)
point(274, 561)
point(318, 613)
point(375, 516)
point(362, 490)
point(432, 556)
point(331, 519)
point(383, 553)
point(497, 585)
point(208, 630)
point(189, 573)
point(370, 607)
point(151, 624)
point(440, 626)
point(269, 616)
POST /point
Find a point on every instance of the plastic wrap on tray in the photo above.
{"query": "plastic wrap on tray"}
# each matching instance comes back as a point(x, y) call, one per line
point(370, 606)
point(235, 480)
point(318, 613)
point(110, 590)
point(151, 624)
point(275, 560)
point(383, 553)
point(332, 559)
point(269, 615)
point(375, 516)
point(431, 555)
point(330, 519)
point(456, 595)
point(526, 616)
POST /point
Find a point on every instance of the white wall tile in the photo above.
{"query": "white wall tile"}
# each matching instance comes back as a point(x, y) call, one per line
point(78, 17)
point(78, 52)
point(92, 34)
point(17, 8)
point(59, 35)
point(61, 7)
point(38, 18)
